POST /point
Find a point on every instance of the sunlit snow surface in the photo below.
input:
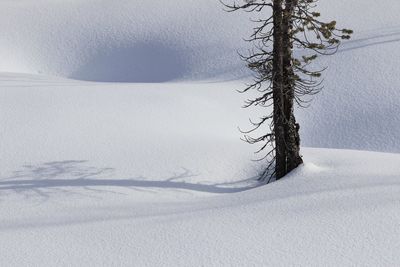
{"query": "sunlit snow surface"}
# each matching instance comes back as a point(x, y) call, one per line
point(120, 145)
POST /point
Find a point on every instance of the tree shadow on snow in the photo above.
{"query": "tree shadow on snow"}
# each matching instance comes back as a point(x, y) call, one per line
point(62, 176)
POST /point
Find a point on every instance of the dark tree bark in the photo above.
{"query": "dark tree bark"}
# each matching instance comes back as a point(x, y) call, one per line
point(278, 91)
point(292, 136)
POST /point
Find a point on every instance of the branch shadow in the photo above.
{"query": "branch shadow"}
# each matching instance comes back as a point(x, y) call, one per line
point(62, 176)
point(375, 40)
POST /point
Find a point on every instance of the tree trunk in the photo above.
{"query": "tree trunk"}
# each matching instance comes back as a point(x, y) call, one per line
point(292, 137)
point(278, 97)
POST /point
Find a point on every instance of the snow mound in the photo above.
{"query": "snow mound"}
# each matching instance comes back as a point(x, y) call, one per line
point(359, 106)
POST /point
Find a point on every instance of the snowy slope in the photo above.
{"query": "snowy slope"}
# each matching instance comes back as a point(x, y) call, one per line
point(119, 141)
point(158, 41)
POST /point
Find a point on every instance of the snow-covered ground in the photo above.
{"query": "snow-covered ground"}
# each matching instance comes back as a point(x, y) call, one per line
point(119, 141)
point(340, 209)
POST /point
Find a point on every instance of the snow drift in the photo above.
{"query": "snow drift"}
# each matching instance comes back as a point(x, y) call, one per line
point(340, 208)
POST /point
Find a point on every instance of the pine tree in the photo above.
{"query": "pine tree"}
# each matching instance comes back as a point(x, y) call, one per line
point(283, 78)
